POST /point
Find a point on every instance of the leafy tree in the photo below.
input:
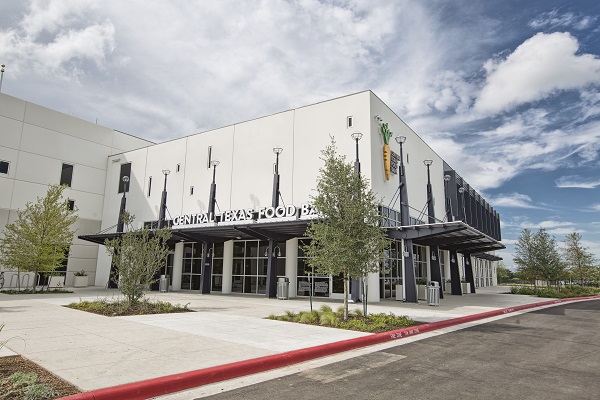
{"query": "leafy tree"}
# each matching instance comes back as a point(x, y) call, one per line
point(525, 256)
point(39, 240)
point(547, 257)
point(579, 260)
point(504, 274)
point(347, 238)
point(138, 254)
point(537, 256)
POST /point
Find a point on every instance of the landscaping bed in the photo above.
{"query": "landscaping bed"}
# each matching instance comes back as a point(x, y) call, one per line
point(17, 381)
point(561, 292)
point(325, 316)
point(29, 291)
point(122, 307)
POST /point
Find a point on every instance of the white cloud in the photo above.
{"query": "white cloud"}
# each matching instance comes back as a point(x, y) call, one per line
point(512, 200)
point(538, 68)
point(554, 19)
point(574, 181)
point(56, 39)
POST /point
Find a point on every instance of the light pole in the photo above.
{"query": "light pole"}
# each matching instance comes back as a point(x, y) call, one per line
point(408, 269)
point(461, 190)
point(434, 263)
point(355, 286)
point(357, 136)
point(275, 198)
point(430, 210)
point(206, 275)
point(121, 223)
point(271, 289)
point(163, 202)
point(212, 200)
point(404, 220)
point(449, 217)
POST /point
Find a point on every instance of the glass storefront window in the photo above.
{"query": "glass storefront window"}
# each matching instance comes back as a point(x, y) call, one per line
point(250, 263)
point(319, 283)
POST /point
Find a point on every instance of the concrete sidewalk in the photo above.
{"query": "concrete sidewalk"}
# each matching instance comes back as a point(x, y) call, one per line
point(93, 351)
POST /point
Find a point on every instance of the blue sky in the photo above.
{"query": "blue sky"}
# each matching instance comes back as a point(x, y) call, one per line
point(505, 91)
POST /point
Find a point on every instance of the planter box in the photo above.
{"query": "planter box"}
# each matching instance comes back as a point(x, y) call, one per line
point(80, 281)
point(466, 287)
point(56, 282)
point(399, 295)
point(422, 292)
point(448, 287)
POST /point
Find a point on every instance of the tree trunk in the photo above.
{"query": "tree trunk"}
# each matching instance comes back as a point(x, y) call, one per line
point(345, 297)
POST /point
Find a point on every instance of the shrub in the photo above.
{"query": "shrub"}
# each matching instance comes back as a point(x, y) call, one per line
point(309, 317)
point(325, 308)
point(328, 319)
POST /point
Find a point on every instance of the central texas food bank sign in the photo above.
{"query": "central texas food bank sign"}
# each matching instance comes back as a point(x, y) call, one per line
point(247, 214)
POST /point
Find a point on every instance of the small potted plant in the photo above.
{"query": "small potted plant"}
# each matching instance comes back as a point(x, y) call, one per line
point(80, 279)
point(422, 289)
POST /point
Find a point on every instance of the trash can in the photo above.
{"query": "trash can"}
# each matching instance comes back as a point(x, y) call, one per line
point(433, 293)
point(163, 283)
point(283, 289)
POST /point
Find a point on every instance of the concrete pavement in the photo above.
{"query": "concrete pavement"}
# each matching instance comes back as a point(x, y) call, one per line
point(93, 351)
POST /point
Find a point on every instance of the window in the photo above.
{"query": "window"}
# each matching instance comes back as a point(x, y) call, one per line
point(4, 167)
point(349, 122)
point(191, 190)
point(71, 204)
point(149, 186)
point(125, 171)
point(178, 167)
point(250, 261)
point(66, 175)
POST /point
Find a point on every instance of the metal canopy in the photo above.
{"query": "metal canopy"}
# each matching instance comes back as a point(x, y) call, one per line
point(279, 231)
point(456, 236)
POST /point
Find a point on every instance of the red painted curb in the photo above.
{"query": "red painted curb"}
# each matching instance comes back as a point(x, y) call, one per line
point(193, 379)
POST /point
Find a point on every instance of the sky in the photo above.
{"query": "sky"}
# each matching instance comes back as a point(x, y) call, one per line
point(506, 91)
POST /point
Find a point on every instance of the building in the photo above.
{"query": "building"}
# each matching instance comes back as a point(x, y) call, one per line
point(238, 198)
point(38, 147)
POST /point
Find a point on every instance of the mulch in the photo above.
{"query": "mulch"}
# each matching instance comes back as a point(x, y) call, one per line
point(12, 364)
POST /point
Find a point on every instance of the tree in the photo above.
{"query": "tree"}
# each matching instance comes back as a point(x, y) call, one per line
point(547, 258)
point(39, 240)
point(138, 254)
point(504, 274)
point(579, 260)
point(525, 256)
point(347, 238)
point(537, 256)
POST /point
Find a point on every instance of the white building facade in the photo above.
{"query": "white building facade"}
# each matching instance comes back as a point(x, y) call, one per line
point(38, 147)
point(254, 235)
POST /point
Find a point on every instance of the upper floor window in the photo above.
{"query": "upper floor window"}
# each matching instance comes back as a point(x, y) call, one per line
point(4, 167)
point(66, 175)
point(125, 171)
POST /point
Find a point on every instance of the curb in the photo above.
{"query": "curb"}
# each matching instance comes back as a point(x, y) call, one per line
point(187, 380)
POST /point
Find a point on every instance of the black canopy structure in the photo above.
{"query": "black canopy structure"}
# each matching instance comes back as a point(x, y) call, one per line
point(279, 231)
point(454, 236)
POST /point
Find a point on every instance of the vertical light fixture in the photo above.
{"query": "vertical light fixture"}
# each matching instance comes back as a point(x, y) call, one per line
point(1, 75)
point(212, 199)
point(449, 217)
point(357, 136)
point(163, 201)
point(120, 224)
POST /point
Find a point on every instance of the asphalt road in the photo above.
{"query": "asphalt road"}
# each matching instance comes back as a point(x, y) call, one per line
point(547, 354)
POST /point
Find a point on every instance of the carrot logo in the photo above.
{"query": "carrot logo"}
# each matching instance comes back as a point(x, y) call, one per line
point(387, 154)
